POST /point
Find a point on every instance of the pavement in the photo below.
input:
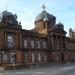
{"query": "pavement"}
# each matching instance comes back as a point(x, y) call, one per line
point(62, 69)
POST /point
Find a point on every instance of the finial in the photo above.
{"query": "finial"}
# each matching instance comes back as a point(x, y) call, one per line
point(6, 6)
point(43, 2)
point(59, 22)
point(43, 6)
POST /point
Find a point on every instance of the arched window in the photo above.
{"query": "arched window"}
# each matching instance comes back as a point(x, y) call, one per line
point(9, 41)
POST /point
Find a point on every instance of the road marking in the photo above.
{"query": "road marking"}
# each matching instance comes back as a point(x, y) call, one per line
point(21, 72)
point(39, 72)
point(13, 73)
point(69, 67)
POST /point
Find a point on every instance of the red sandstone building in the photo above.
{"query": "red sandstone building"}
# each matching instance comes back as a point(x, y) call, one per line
point(46, 43)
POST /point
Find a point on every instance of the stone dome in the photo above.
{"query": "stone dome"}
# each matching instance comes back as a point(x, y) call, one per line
point(6, 13)
point(43, 15)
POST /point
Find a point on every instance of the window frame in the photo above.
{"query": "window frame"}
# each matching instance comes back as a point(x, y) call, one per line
point(10, 41)
point(32, 44)
point(25, 43)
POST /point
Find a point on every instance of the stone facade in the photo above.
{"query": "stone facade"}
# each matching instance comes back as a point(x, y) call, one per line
point(46, 43)
point(71, 33)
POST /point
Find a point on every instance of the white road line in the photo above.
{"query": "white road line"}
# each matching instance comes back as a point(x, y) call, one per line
point(39, 72)
point(13, 73)
point(21, 72)
point(69, 67)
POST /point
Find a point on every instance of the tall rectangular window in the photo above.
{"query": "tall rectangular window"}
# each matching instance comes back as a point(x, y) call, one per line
point(9, 41)
point(26, 57)
point(32, 44)
point(39, 56)
point(38, 44)
point(45, 57)
point(44, 44)
point(33, 57)
point(5, 58)
point(25, 43)
point(36, 56)
point(0, 56)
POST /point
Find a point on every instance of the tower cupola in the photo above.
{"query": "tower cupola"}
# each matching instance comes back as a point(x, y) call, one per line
point(44, 20)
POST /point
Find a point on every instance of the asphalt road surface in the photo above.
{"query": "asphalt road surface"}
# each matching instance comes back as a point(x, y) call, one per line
point(56, 70)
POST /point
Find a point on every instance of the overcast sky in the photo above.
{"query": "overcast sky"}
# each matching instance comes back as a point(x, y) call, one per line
point(27, 10)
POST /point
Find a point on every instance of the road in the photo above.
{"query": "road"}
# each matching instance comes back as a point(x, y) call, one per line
point(56, 70)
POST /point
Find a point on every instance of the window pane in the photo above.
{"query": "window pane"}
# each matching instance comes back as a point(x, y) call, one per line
point(38, 43)
point(39, 56)
point(32, 44)
point(33, 57)
point(45, 57)
point(26, 57)
point(9, 41)
point(25, 43)
point(44, 44)
point(5, 57)
point(0, 56)
point(36, 56)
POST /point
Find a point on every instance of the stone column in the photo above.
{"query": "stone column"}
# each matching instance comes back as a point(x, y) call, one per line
point(65, 41)
point(5, 40)
point(52, 41)
point(61, 43)
point(57, 42)
point(49, 41)
point(29, 51)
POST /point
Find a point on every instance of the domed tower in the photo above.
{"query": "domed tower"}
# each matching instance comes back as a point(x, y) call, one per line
point(8, 19)
point(44, 21)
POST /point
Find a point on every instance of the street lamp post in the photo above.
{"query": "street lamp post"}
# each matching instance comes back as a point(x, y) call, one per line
point(14, 66)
